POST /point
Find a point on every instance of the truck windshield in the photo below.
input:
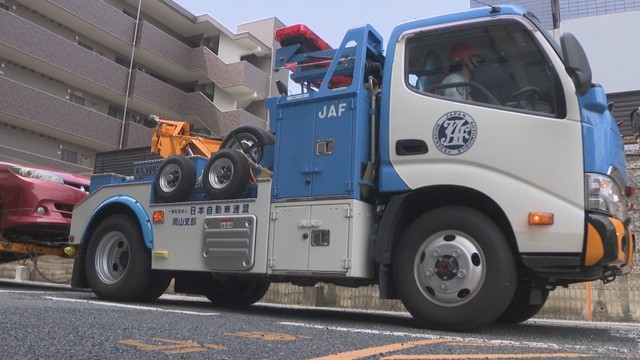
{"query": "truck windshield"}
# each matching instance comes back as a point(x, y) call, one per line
point(492, 63)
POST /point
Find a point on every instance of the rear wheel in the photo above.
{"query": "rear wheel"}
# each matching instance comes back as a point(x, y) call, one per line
point(236, 293)
point(523, 306)
point(118, 264)
point(454, 269)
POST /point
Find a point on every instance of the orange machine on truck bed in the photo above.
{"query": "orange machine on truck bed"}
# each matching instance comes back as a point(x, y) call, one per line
point(174, 138)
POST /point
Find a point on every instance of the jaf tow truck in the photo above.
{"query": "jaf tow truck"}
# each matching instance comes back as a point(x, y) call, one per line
point(470, 210)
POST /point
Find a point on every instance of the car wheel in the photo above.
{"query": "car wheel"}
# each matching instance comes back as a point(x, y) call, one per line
point(454, 269)
point(175, 179)
point(226, 175)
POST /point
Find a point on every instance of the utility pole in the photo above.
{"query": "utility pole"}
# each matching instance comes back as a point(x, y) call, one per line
point(555, 13)
point(128, 90)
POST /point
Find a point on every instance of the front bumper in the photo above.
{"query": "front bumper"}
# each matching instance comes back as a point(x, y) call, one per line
point(608, 251)
point(609, 244)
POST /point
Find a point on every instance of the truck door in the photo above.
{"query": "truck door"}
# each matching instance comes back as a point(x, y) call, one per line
point(497, 112)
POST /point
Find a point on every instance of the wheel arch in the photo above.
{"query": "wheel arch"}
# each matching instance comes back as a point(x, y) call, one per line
point(403, 209)
point(120, 204)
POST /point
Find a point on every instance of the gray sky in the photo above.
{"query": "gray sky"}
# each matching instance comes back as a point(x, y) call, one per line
point(330, 19)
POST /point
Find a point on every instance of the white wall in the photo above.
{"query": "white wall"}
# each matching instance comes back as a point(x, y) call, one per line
point(612, 43)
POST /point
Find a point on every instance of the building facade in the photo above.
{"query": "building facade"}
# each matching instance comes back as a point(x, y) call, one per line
point(608, 32)
point(81, 77)
point(568, 9)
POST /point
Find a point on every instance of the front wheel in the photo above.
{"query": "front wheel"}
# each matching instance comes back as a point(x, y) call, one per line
point(118, 264)
point(524, 306)
point(454, 269)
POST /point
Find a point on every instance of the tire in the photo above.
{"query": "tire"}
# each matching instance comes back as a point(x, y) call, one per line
point(236, 293)
point(520, 309)
point(159, 283)
point(226, 175)
point(175, 179)
point(118, 264)
point(454, 269)
point(249, 140)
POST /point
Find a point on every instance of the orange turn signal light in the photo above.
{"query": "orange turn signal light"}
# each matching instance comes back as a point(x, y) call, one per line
point(540, 218)
point(158, 216)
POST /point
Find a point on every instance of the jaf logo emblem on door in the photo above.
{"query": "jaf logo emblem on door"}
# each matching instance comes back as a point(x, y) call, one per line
point(454, 133)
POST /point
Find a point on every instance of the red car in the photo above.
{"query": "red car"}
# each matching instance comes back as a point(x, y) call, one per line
point(36, 203)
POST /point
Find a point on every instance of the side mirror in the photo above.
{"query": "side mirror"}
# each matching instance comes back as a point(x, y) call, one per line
point(576, 62)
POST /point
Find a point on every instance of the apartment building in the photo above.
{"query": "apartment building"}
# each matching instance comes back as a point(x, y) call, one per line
point(81, 77)
point(608, 32)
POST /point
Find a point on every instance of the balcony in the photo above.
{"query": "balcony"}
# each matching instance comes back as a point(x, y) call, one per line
point(240, 78)
point(94, 18)
point(149, 91)
point(39, 49)
point(31, 158)
point(36, 110)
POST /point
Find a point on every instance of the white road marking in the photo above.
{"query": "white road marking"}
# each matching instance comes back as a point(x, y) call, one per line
point(127, 306)
point(21, 291)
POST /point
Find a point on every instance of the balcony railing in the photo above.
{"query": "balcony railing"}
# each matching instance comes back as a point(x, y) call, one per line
point(92, 13)
point(203, 60)
point(191, 105)
point(58, 116)
point(49, 53)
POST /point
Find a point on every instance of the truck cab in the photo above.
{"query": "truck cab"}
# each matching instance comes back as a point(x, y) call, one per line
point(536, 136)
point(483, 118)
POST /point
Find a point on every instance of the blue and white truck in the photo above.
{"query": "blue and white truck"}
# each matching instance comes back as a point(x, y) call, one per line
point(470, 210)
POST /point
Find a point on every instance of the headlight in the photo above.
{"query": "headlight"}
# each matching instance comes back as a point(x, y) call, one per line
point(36, 174)
point(604, 194)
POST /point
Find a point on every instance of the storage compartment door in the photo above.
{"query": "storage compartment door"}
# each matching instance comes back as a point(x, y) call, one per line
point(291, 238)
point(294, 168)
point(333, 154)
point(328, 241)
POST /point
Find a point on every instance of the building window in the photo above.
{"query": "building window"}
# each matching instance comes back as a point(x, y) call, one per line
point(77, 99)
point(115, 112)
point(69, 156)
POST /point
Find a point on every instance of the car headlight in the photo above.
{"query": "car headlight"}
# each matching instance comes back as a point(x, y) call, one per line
point(604, 194)
point(36, 174)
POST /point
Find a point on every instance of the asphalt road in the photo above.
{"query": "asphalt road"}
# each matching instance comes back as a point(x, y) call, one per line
point(53, 322)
